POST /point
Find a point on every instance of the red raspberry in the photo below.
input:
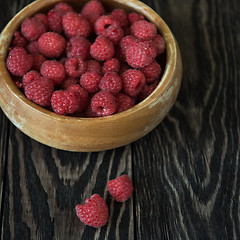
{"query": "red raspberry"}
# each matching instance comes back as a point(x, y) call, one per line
point(63, 7)
point(83, 94)
point(38, 60)
point(103, 23)
point(33, 48)
point(125, 41)
point(94, 212)
point(132, 17)
point(32, 28)
point(152, 71)
point(29, 76)
point(120, 188)
point(51, 44)
point(18, 61)
point(93, 65)
point(102, 49)
point(92, 11)
point(68, 81)
point(78, 47)
point(103, 103)
point(111, 82)
point(147, 90)
point(54, 17)
point(75, 66)
point(160, 44)
point(133, 81)
point(39, 90)
point(124, 102)
point(75, 25)
point(121, 17)
point(114, 33)
point(19, 40)
point(143, 30)
point(43, 18)
point(65, 102)
point(90, 81)
point(111, 65)
point(54, 70)
point(140, 53)
point(123, 68)
point(89, 112)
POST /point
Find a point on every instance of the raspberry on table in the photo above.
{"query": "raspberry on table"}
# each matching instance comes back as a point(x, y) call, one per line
point(43, 18)
point(78, 47)
point(111, 65)
point(19, 40)
point(121, 17)
point(40, 90)
point(133, 17)
point(29, 76)
point(18, 61)
point(140, 53)
point(124, 102)
point(93, 65)
point(65, 102)
point(90, 81)
point(68, 81)
point(104, 22)
point(94, 212)
point(38, 60)
point(51, 44)
point(152, 71)
point(102, 49)
point(147, 90)
point(75, 25)
point(120, 188)
point(160, 44)
point(143, 29)
point(92, 10)
point(53, 70)
point(103, 103)
point(32, 28)
point(133, 81)
point(111, 82)
point(54, 17)
point(75, 66)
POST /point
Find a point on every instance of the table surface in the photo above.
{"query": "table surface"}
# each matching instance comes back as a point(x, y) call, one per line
point(186, 172)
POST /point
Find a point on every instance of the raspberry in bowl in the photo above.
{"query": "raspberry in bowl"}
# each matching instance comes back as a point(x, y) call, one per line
point(110, 70)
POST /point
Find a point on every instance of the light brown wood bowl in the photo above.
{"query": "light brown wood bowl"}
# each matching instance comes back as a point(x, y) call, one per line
point(90, 134)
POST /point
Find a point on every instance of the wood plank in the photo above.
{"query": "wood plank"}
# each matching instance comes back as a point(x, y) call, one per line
point(186, 171)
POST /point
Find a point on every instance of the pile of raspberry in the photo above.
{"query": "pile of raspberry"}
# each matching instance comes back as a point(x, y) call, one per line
point(87, 64)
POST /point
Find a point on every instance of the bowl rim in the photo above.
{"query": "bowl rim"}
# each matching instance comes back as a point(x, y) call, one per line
point(138, 6)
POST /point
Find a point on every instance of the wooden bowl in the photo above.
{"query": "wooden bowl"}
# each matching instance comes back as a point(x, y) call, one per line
point(90, 134)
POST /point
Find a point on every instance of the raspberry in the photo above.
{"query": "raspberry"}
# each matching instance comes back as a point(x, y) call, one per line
point(89, 112)
point(133, 81)
point(147, 90)
point(140, 53)
point(132, 17)
point(92, 11)
point(65, 102)
point(111, 65)
point(121, 17)
point(43, 18)
point(90, 81)
point(32, 28)
point(51, 44)
point(114, 33)
point(94, 212)
point(143, 29)
point(54, 70)
point(29, 76)
point(120, 188)
point(103, 103)
point(124, 102)
point(111, 82)
point(19, 40)
point(68, 81)
point(123, 68)
point(103, 23)
point(63, 7)
point(83, 94)
point(78, 47)
point(38, 60)
point(33, 48)
point(75, 25)
point(18, 61)
point(75, 66)
point(18, 82)
point(93, 65)
point(102, 49)
point(125, 41)
point(39, 90)
point(152, 71)
point(54, 17)
point(160, 44)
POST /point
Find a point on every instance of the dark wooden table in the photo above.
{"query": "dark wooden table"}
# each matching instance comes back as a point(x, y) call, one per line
point(186, 172)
